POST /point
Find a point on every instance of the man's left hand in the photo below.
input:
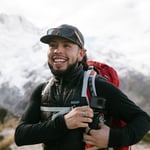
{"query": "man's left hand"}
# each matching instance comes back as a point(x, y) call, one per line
point(98, 138)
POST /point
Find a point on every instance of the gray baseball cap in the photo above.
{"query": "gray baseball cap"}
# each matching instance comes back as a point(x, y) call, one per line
point(68, 32)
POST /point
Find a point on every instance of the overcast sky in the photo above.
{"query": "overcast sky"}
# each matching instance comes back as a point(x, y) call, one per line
point(44, 12)
point(83, 13)
point(126, 20)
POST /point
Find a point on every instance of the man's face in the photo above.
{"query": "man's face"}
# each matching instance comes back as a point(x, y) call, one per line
point(63, 55)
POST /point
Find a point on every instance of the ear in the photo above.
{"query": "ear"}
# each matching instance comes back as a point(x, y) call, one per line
point(82, 53)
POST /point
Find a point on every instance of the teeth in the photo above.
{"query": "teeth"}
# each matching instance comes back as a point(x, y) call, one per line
point(59, 60)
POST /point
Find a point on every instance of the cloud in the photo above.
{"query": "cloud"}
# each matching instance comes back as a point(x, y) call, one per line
point(125, 23)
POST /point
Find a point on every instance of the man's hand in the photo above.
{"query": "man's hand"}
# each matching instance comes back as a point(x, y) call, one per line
point(98, 138)
point(79, 117)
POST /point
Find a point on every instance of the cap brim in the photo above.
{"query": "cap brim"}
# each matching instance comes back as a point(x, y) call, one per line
point(47, 38)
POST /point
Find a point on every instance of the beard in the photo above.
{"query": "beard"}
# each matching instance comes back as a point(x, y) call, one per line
point(70, 68)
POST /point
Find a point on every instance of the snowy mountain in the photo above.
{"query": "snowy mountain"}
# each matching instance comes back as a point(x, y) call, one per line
point(23, 63)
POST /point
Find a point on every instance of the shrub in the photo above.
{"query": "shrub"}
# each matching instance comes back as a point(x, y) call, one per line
point(147, 137)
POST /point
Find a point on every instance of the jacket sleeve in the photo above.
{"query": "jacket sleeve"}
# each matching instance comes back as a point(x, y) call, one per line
point(138, 121)
point(31, 131)
point(120, 106)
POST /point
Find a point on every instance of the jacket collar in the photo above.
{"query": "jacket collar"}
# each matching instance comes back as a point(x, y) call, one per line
point(70, 76)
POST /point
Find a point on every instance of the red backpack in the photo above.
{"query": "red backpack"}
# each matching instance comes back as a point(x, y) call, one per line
point(88, 89)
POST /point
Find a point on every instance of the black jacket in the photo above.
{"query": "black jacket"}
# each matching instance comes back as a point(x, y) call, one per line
point(32, 129)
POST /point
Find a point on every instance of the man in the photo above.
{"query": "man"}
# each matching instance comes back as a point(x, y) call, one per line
point(70, 130)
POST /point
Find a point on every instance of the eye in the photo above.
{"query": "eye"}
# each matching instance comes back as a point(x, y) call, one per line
point(67, 45)
point(52, 45)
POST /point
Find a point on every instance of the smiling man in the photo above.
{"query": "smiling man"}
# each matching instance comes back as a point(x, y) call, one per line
point(59, 117)
point(66, 48)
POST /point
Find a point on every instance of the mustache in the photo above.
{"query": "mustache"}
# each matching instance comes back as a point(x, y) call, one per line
point(69, 69)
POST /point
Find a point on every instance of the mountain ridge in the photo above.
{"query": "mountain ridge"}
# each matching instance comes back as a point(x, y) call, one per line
point(23, 63)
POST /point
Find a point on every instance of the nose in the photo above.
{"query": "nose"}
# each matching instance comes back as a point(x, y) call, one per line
point(58, 49)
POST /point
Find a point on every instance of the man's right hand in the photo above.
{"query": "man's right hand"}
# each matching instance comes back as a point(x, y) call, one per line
point(79, 117)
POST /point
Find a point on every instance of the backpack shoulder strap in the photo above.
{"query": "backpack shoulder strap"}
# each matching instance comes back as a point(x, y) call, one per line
point(89, 78)
point(92, 83)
